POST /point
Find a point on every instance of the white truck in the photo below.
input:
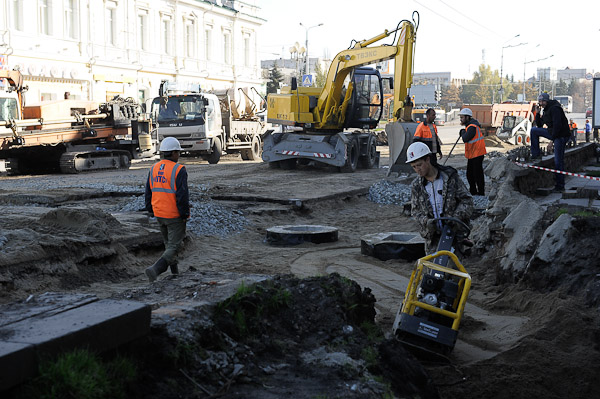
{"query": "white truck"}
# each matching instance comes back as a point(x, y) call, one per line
point(207, 124)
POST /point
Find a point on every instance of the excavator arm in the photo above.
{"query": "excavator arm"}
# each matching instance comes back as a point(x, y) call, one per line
point(328, 113)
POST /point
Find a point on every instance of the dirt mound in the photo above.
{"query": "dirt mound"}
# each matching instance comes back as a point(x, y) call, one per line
point(86, 221)
point(271, 338)
point(574, 269)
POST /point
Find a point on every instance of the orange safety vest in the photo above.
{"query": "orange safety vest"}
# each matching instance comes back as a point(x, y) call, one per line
point(573, 126)
point(476, 146)
point(423, 133)
point(162, 184)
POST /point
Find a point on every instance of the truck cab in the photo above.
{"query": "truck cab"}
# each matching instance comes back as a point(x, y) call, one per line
point(192, 118)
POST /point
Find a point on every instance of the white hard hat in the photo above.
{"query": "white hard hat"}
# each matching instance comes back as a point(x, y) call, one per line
point(170, 144)
point(466, 111)
point(416, 151)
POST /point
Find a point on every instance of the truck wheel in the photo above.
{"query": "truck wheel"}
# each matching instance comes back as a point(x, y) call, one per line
point(256, 150)
point(369, 159)
point(217, 150)
point(351, 157)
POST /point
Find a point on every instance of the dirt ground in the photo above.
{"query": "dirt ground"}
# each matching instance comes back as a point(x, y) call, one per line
point(518, 339)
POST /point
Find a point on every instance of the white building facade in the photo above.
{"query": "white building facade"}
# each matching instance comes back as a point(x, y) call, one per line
point(96, 49)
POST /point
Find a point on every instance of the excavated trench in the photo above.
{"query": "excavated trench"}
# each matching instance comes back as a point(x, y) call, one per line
point(531, 317)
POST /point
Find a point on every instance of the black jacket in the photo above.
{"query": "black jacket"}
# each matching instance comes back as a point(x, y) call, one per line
point(468, 134)
point(554, 117)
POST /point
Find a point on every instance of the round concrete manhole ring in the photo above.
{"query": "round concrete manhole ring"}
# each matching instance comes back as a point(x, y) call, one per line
point(393, 245)
point(297, 234)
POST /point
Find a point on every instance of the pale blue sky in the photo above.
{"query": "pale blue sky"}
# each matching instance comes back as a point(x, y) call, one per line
point(453, 36)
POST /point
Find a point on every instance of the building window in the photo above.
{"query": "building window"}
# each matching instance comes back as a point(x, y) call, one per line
point(142, 34)
point(190, 38)
point(71, 19)
point(227, 47)
point(111, 26)
point(208, 44)
point(247, 50)
point(166, 34)
point(16, 10)
point(45, 9)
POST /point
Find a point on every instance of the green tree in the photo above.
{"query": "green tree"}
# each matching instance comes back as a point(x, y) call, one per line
point(450, 97)
point(482, 88)
point(320, 75)
point(275, 78)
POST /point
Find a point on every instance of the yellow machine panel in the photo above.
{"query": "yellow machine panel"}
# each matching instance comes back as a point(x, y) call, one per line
point(288, 109)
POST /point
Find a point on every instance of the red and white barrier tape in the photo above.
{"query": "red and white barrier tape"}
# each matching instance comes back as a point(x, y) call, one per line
point(557, 171)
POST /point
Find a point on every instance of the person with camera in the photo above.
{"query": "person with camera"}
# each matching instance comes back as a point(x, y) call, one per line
point(557, 129)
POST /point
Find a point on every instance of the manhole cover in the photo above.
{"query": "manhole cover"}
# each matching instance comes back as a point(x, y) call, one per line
point(297, 234)
point(393, 245)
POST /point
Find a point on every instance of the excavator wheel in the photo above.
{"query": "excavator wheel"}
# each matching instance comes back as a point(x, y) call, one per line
point(370, 158)
point(352, 155)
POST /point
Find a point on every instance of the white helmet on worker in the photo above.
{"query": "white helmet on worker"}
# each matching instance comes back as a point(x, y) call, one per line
point(170, 144)
point(466, 111)
point(416, 151)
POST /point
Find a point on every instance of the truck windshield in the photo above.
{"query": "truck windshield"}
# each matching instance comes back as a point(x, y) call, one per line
point(180, 108)
point(8, 109)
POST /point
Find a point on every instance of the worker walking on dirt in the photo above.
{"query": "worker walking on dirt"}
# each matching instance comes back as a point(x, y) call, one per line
point(427, 133)
point(573, 128)
point(474, 151)
point(437, 192)
point(167, 197)
point(557, 130)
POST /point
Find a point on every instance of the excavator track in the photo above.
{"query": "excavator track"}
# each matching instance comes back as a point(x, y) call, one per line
point(76, 162)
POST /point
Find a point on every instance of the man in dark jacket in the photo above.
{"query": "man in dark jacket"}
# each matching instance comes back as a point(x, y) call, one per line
point(557, 130)
point(167, 198)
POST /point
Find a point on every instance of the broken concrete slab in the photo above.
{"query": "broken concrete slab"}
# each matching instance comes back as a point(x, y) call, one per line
point(554, 238)
point(520, 227)
point(63, 323)
point(393, 245)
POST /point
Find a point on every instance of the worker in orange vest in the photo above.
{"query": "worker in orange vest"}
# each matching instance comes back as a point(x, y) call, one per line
point(167, 198)
point(573, 128)
point(474, 151)
point(427, 133)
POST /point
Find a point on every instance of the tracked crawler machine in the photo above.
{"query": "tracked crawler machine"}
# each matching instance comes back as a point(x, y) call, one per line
point(69, 136)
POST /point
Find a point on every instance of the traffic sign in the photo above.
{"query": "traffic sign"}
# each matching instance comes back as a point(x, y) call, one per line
point(589, 76)
point(307, 80)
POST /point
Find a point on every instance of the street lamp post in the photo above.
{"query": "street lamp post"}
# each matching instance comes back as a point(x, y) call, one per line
point(306, 66)
point(529, 62)
point(502, 63)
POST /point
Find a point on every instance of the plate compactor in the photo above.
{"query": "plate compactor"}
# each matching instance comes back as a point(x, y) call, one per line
point(428, 319)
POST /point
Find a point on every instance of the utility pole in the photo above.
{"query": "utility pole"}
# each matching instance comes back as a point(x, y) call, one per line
point(306, 59)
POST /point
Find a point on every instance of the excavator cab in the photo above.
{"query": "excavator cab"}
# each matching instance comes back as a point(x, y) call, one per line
point(365, 109)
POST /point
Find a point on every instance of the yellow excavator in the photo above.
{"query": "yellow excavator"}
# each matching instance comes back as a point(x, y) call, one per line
point(333, 124)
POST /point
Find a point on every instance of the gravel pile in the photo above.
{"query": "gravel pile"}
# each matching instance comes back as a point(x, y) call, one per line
point(391, 193)
point(387, 193)
point(207, 217)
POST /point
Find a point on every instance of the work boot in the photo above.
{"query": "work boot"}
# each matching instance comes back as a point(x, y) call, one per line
point(174, 268)
point(157, 268)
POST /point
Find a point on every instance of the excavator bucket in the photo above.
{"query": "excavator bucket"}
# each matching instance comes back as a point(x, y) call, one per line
point(400, 136)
